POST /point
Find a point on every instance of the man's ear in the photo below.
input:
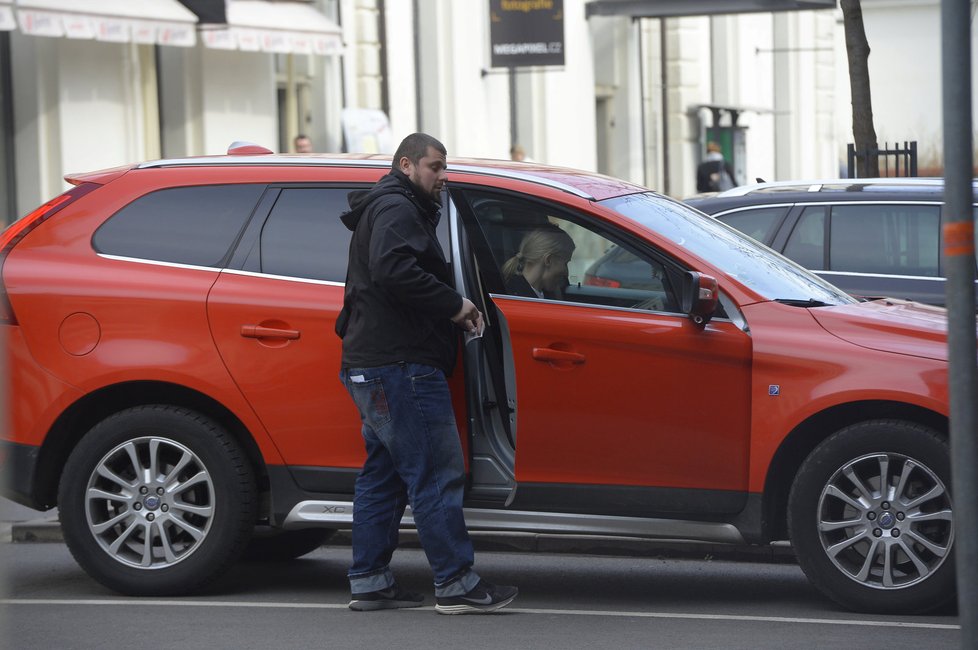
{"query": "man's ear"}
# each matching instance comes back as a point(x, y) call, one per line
point(404, 164)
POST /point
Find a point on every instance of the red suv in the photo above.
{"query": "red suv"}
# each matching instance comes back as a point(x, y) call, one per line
point(168, 328)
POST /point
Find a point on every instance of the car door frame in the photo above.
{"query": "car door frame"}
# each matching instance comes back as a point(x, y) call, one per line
point(629, 500)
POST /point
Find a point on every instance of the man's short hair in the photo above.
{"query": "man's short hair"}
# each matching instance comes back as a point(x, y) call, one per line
point(414, 147)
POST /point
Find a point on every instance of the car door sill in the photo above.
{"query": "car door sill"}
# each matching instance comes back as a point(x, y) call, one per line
point(308, 514)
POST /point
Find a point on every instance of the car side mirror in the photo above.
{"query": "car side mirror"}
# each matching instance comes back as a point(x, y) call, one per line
point(700, 295)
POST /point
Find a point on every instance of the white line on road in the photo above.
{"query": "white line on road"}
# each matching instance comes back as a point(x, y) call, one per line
point(512, 610)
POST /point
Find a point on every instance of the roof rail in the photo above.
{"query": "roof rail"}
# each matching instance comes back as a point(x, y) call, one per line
point(244, 155)
point(818, 184)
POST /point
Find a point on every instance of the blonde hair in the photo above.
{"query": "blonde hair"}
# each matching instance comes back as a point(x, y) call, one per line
point(536, 245)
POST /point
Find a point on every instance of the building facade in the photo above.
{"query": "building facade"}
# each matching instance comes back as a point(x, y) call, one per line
point(108, 82)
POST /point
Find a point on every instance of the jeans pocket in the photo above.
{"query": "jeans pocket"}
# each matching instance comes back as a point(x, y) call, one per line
point(371, 399)
point(421, 373)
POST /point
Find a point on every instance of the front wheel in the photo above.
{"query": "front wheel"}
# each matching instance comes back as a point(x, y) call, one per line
point(157, 501)
point(870, 518)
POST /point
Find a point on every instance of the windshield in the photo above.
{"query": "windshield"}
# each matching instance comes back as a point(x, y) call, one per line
point(746, 260)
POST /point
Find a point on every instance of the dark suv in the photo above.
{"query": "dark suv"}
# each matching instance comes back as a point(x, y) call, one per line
point(870, 237)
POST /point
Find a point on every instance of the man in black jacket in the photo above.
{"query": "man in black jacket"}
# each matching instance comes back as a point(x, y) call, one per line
point(398, 326)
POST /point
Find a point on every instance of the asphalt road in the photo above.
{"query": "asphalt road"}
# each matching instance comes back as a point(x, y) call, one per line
point(566, 601)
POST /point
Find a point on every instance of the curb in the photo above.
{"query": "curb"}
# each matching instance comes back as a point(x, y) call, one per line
point(35, 530)
point(48, 530)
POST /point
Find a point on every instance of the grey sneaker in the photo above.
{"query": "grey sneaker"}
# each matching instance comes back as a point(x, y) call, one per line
point(482, 599)
point(391, 598)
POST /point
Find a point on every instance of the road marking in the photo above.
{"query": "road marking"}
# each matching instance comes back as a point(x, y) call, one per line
point(511, 610)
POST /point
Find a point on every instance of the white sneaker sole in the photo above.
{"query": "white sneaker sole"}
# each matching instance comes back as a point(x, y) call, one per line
point(473, 609)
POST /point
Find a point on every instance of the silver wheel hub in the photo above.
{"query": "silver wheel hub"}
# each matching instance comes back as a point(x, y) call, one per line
point(885, 520)
point(150, 502)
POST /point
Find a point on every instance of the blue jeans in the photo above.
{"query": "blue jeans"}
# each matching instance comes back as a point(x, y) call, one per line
point(413, 456)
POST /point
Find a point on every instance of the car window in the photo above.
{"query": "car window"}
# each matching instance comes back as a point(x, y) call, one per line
point(732, 252)
point(759, 223)
point(184, 225)
point(893, 239)
point(543, 252)
point(806, 244)
point(303, 236)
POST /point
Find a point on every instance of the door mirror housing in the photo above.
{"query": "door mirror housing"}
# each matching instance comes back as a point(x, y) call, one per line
point(700, 295)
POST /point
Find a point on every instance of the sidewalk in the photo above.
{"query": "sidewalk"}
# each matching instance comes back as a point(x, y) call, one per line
point(19, 524)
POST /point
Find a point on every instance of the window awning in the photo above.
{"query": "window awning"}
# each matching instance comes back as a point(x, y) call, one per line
point(668, 8)
point(282, 27)
point(164, 22)
point(7, 21)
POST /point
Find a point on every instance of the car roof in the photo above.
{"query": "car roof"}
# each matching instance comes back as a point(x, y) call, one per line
point(586, 185)
point(825, 190)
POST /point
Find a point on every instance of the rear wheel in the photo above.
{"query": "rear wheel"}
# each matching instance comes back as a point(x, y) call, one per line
point(870, 517)
point(157, 500)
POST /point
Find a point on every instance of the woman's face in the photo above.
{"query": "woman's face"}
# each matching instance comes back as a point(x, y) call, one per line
point(555, 273)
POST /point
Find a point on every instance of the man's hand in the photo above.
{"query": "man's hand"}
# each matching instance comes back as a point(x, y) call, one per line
point(469, 318)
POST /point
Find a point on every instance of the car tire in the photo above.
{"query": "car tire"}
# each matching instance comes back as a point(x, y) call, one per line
point(157, 501)
point(872, 550)
point(277, 545)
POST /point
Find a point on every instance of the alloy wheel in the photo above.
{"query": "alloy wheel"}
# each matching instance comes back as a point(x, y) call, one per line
point(885, 520)
point(150, 502)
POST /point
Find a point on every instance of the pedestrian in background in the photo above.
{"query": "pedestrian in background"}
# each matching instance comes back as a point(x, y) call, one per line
point(302, 144)
point(714, 174)
point(518, 154)
point(399, 324)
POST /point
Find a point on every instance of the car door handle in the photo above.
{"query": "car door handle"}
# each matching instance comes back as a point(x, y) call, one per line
point(262, 332)
point(560, 356)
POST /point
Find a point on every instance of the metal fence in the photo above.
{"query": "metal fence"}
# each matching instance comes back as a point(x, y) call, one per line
point(904, 159)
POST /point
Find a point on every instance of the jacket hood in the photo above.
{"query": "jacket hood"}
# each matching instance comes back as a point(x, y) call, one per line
point(889, 325)
point(395, 182)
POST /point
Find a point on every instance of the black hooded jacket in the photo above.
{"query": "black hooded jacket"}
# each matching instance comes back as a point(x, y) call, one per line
point(398, 302)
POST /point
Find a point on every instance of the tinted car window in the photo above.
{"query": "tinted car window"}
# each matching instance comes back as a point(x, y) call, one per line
point(184, 225)
point(806, 245)
point(759, 223)
point(303, 236)
point(596, 269)
point(900, 239)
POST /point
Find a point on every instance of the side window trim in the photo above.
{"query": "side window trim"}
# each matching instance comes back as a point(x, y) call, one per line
point(248, 240)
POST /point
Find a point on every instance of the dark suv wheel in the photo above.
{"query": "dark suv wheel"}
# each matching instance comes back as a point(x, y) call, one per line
point(157, 500)
point(870, 516)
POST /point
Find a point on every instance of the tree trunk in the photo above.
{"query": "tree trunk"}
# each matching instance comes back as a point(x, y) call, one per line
point(857, 51)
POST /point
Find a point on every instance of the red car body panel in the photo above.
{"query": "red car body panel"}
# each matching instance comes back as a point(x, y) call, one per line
point(623, 412)
point(652, 399)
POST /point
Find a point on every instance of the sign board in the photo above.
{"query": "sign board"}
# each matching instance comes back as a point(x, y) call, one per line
point(367, 130)
point(526, 32)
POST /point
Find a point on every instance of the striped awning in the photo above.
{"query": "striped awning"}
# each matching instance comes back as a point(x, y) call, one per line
point(281, 27)
point(162, 22)
point(7, 20)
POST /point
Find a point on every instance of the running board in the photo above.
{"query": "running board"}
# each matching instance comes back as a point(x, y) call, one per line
point(339, 514)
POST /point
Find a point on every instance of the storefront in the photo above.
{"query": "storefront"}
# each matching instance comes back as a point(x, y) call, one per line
point(90, 84)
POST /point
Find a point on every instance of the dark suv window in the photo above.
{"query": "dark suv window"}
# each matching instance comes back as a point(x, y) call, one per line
point(759, 223)
point(806, 245)
point(900, 239)
point(304, 237)
point(869, 238)
point(184, 225)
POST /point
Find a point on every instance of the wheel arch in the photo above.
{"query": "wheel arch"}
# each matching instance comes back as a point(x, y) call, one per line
point(809, 434)
point(81, 416)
